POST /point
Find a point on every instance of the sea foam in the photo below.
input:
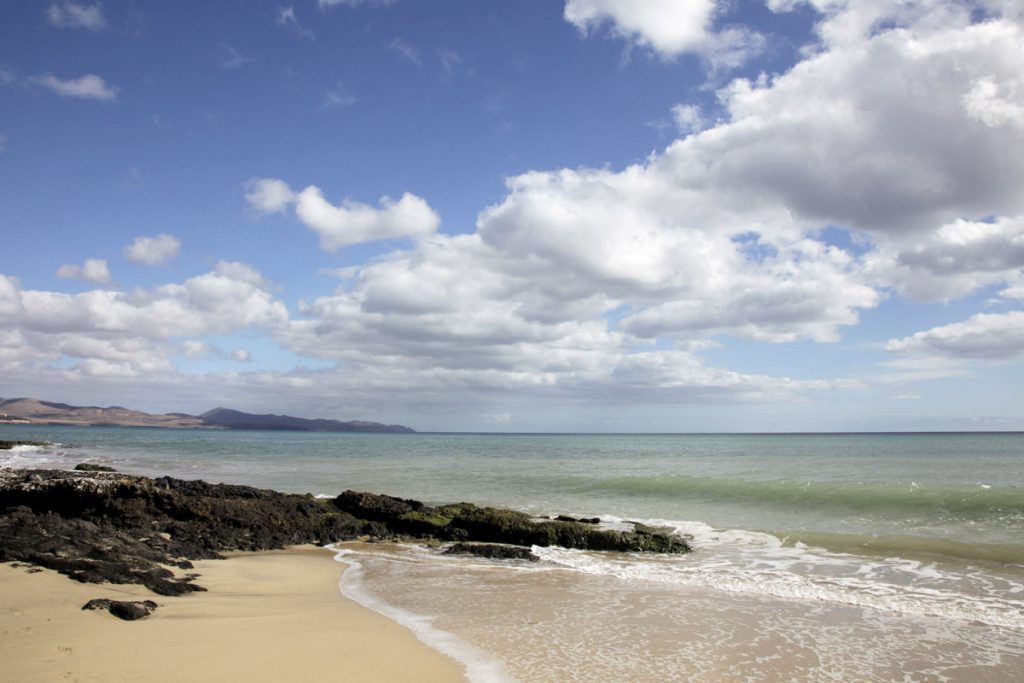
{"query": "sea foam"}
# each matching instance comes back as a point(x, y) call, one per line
point(757, 563)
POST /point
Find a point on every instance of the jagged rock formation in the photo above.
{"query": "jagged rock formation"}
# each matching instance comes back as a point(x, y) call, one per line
point(109, 527)
point(494, 551)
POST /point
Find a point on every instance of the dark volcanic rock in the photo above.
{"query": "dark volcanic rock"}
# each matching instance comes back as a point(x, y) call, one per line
point(509, 526)
point(467, 522)
point(581, 520)
point(92, 467)
point(98, 526)
point(496, 551)
point(8, 445)
point(108, 527)
point(129, 611)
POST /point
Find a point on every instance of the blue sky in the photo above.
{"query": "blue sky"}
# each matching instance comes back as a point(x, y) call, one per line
point(578, 215)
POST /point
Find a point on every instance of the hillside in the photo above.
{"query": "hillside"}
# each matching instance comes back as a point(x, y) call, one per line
point(47, 412)
point(234, 419)
point(35, 411)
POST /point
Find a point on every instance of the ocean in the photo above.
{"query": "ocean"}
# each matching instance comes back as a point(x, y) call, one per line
point(820, 557)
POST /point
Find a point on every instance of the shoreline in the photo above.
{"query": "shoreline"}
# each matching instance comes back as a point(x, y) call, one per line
point(268, 616)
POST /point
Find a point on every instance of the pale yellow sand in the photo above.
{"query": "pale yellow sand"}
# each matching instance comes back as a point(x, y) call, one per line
point(274, 616)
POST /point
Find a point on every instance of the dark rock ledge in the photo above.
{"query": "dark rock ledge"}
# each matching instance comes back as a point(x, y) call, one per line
point(109, 527)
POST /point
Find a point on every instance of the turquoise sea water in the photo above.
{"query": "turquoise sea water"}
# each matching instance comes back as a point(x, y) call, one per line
point(919, 535)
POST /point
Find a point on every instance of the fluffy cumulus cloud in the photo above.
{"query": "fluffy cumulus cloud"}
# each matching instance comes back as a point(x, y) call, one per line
point(268, 195)
point(92, 270)
point(886, 163)
point(87, 87)
point(129, 333)
point(954, 260)
point(898, 129)
point(350, 222)
point(667, 27)
point(153, 251)
point(984, 336)
point(76, 15)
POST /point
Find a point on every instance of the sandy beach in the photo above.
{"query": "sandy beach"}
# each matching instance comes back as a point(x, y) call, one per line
point(268, 616)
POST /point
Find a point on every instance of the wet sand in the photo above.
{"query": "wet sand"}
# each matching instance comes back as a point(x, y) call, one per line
point(267, 617)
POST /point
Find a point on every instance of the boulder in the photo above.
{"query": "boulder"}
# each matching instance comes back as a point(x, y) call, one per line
point(129, 611)
point(495, 551)
point(93, 467)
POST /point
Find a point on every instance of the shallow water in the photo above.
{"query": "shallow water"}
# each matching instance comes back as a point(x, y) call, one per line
point(818, 557)
point(545, 623)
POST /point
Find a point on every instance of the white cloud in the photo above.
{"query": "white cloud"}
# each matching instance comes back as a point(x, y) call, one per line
point(688, 118)
point(126, 333)
point(241, 356)
point(451, 62)
point(406, 50)
point(670, 27)
point(353, 222)
point(76, 15)
point(899, 130)
point(268, 195)
point(153, 251)
point(93, 270)
point(89, 86)
point(1014, 292)
point(667, 27)
point(986, 103)
point(193, 349)
point(339, 97)
point(983, 336)
point(350, 223)
point(954, 260)
point(286, 18)
point(572, 276)
point(233, 59)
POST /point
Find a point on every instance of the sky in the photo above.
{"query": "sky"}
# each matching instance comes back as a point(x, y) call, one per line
point(537, 216)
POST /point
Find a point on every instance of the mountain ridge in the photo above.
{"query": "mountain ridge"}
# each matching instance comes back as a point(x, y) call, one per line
point(37, 411)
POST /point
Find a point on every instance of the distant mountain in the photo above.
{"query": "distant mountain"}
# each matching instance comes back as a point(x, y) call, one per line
point(48, 412)
point(35, 411)
point(234, 419)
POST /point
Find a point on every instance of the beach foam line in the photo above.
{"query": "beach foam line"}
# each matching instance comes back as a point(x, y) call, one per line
point(763, 576)
point(33, 456)
point(478, 665)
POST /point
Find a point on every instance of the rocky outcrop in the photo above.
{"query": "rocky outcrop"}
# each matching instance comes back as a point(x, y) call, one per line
point(465, 521)
point(129, 611)
point(109, 527)
point(494, 551)
point(93, 467)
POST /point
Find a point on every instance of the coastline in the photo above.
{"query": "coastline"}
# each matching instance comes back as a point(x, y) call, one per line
point(268, 616)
